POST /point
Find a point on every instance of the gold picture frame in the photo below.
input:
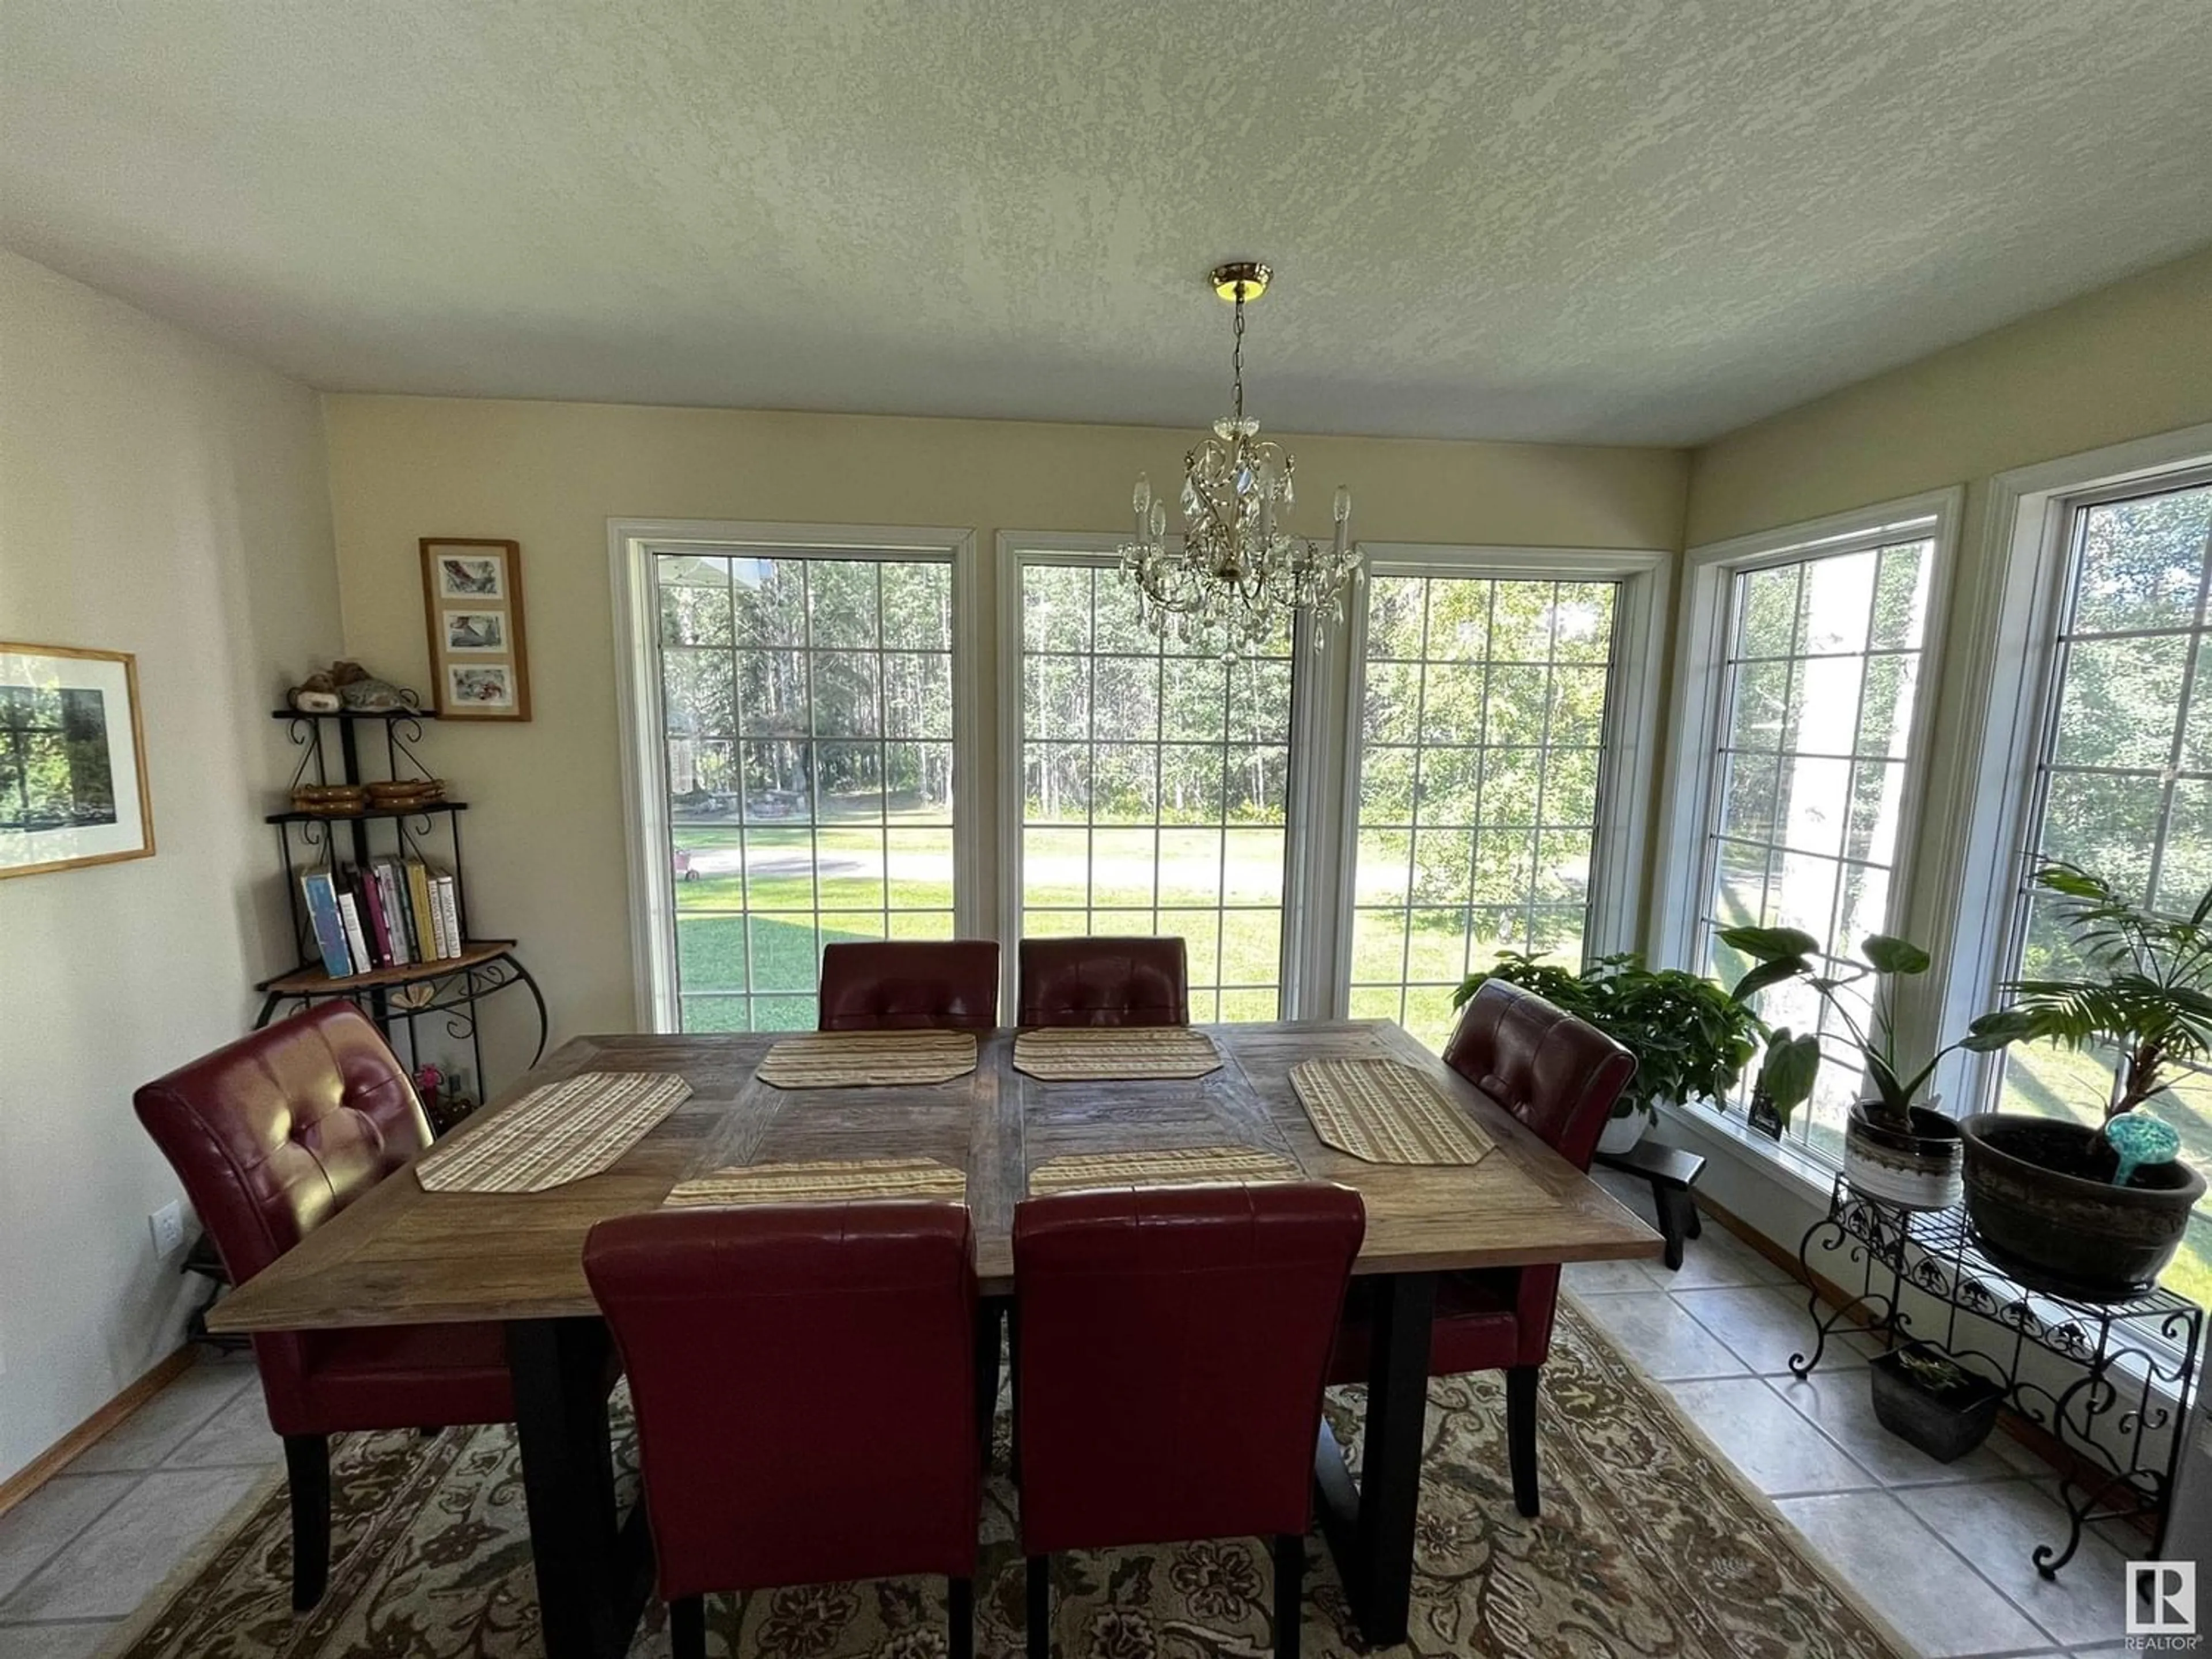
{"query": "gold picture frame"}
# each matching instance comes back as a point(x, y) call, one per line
point(73, 789)
point(472, 613)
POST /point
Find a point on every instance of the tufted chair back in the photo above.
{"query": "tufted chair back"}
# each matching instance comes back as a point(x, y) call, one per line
point(276, 1132)
point(1557, 1074)
point(950, 984)
point(848, 1332)
point(1104, 982)
point(1166, 1294)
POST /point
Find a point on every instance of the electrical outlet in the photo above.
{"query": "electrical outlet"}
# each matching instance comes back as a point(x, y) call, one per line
point(168, 1225)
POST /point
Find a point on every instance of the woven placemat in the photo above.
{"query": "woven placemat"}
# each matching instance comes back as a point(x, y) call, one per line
point(860, 1059)
point(1096, 1055)
point(1181, 1166)
point(558, 1132)
point(819, 1182)
point(1385, 1112)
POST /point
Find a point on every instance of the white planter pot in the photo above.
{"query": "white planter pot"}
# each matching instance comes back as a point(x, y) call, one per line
point(1620, 1134)
point(1921, 1170)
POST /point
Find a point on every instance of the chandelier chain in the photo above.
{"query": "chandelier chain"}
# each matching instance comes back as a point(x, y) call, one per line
point(1236, 355)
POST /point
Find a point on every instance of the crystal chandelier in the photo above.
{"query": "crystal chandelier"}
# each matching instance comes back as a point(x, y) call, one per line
point(1238, 577)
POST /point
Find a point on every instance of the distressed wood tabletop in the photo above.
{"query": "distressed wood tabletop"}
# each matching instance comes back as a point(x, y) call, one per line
point(401, 1255)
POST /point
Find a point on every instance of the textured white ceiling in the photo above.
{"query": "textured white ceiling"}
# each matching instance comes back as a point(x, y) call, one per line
point(1637, 220)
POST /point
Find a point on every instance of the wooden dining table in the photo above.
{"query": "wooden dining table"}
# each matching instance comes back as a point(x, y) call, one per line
point(403, 1256)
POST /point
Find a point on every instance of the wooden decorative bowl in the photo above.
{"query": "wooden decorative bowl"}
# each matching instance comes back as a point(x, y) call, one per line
point(334, 801)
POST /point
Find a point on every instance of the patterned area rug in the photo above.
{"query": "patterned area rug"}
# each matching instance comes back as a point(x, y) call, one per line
point(1648, 1545)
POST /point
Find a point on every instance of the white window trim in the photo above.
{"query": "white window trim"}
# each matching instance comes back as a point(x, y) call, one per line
point(2020, 590)
point(631, 546)
point(1100, 552)
point(1699, 660)
point(1632, 701)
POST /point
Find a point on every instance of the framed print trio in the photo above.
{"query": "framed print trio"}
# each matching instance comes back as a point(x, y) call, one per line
point(72, 760)
point(472, 604)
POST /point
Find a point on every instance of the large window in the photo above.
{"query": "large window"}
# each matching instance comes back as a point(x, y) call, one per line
point(1482, 721)
point(807, 721)
point(1154, 786)
point(1819, 665)
point(2123, 786)
point(794, 697)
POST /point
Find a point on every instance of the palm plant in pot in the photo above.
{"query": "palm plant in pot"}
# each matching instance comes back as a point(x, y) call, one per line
point(2055, 1202)
point(1690, 1038)
point(1896, 1148)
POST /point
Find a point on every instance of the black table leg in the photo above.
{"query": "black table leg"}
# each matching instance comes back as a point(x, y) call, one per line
point(591, 1579)
point(1369, 1529)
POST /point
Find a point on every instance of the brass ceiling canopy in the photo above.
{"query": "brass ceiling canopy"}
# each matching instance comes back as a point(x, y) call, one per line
point(1239, 279)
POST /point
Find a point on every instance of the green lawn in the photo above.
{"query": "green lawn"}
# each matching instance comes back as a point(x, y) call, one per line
point(746, 934)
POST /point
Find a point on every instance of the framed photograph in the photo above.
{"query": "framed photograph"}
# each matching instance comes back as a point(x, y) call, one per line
point(489, 687)
point(472, 604)
point(471, 576)
point(72, 760)
point(475, 630)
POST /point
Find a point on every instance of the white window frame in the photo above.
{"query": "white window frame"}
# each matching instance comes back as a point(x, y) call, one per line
point(1322, 804)
point(632, 545)
point(1017, 548)
point(1625, 771)
point(2020, 596)
point(1701, 642)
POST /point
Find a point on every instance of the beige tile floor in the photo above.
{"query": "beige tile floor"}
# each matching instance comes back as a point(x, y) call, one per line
point(1941, 1550)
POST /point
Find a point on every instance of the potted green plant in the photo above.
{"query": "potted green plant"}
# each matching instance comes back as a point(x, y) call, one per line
point(1896, 1148)
point(1690, 1039)
point(1934, 1402)
point(2050, 1199)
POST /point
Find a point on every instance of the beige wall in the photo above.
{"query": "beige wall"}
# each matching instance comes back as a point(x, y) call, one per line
point(2127, 362)
point(545, 847)
point(161, 496)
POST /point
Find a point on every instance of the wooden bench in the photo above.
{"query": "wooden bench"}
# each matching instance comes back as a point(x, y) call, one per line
point(1672, 1173)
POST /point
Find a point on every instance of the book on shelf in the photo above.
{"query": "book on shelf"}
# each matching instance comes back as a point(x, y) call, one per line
point(402, 952)
point(322, 896)
point(390, 912)
point(356, 940)
point(443, 890)
point(372, 915)
point(419, 910)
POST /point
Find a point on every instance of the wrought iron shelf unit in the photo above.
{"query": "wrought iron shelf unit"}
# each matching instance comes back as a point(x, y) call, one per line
point(395, 998)
point(2134, 1362)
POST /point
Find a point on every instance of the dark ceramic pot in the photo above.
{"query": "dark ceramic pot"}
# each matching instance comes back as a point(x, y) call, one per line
point(2041, 1210)
point(1946, 1425)
point(1919, 1170)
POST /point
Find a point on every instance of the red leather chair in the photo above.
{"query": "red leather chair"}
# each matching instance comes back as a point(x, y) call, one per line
point(848, 1330)
point(952, 985)
point(272, 1136)
point(1104, 982)
point(1171, 1343)
point(1561, 1076)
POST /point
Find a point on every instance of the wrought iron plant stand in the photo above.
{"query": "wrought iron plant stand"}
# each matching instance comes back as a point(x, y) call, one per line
point(2121, 1417)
